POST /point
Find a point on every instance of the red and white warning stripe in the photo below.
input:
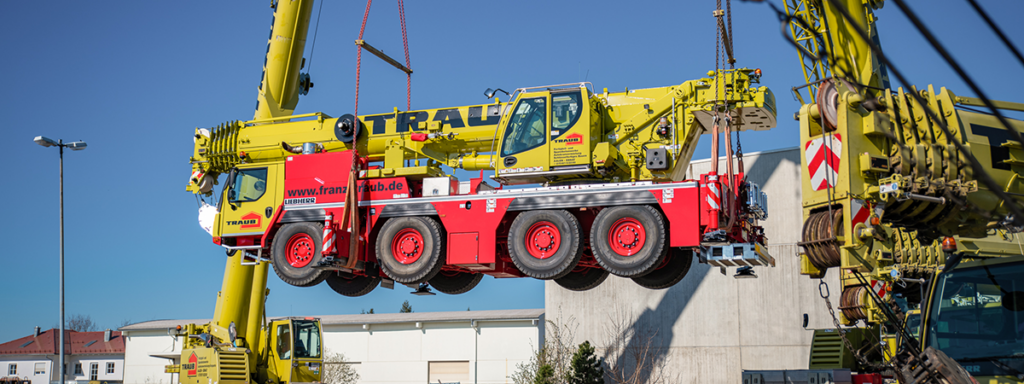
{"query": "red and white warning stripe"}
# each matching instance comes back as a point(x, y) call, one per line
point(197, 175)
point(879, 288)
point(328, 247)
point(823, 155)
point(714, 195)
point(859, 211)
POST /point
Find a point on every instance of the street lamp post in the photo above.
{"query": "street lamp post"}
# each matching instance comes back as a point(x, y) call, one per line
point(75, 146)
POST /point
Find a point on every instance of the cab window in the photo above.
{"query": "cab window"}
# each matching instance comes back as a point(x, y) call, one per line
point(284, 342)
point(248, 185)
point(307, 340)
point(527, 128)
point(565, 110)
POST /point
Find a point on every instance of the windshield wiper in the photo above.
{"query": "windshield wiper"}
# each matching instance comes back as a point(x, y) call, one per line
point(1001, 365)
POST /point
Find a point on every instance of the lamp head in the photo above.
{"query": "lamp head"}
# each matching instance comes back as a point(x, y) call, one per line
point(76, 146)
point(44, 141)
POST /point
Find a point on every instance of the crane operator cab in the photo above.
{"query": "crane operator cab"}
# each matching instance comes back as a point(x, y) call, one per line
point(547, 136)
point(296, 351)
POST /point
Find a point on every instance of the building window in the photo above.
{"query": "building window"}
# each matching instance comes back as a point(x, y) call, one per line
point(110, 367)
point(40, 368)
point(78, 368)
point(12, 369)
point(94, 371)
point(447, 371)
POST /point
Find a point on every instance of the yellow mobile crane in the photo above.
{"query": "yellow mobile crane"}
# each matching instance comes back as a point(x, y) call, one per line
point(616, 160)
point(561, 136)
point(239, 345)
point(900, 186)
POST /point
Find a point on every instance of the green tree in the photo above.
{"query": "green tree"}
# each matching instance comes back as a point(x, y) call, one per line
point(585, 368)
point(545, 375)
point(364, 312)
point(406, 308)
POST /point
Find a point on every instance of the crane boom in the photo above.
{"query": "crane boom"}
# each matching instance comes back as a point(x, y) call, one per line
point(899, 183)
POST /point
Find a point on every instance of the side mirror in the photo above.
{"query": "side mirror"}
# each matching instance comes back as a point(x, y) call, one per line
point(231, 195)
point(489, 93)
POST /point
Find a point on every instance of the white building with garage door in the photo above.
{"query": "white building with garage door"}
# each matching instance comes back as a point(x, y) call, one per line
point(481, 347)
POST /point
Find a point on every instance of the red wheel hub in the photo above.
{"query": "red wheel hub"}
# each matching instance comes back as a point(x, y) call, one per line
point(542, 239)
point(626, 236)
point(407, 246)
point(300, 250)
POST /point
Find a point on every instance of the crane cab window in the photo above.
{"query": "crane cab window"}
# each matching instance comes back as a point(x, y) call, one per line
point(307, 340)
point(565, 110)
point(980, 312)
point(527, 130)
point(248, 185)
point(284, 342)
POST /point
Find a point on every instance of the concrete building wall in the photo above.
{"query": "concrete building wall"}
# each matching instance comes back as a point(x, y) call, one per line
point(102, 373)
point(146, 352)
point(26, 368)
point(709, 327)
point(402, 353)
point(466, 347)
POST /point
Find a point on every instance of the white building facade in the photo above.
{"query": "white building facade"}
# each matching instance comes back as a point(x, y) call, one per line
point(89, 356)
point(481, 347)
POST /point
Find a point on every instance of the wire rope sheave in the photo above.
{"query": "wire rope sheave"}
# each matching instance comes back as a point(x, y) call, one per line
point(296, 250)
point(409, 249)
point(628, 240)
point(545, 244)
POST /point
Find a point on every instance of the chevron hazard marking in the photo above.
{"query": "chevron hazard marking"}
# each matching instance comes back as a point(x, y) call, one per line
point(714, 196)
point(823, 155)
point(859, 211)
point(879, 288)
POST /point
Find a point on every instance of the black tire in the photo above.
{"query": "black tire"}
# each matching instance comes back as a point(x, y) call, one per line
point(296, 250)
point(672, 271)
point(454, 282)
point(425, 242)
point(583, 280)
point(639, 235)
point(347, 284)
point(549, 260)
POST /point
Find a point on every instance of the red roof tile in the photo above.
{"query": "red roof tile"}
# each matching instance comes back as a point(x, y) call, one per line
point(77, 343)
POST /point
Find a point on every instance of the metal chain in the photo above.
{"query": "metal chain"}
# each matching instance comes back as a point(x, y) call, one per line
point(718, 52)
point(835, 321)
point(732, 38)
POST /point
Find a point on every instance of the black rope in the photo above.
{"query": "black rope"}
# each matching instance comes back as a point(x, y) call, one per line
point(998, 32)
point(956, 67)
point(978, 168)
point(315, 30)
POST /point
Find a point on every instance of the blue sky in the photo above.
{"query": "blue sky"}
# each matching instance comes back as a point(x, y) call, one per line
point(134, 78)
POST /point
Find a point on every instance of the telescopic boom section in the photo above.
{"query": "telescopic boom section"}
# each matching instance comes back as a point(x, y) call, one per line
point(555, 133)
point(239, 311)
point(280, 85)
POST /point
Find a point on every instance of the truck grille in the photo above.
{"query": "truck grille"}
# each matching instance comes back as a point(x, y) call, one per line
point(826, 350)
point(233, 367)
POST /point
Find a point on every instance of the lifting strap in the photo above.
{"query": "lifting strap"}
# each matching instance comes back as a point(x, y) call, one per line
point(351, 210)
